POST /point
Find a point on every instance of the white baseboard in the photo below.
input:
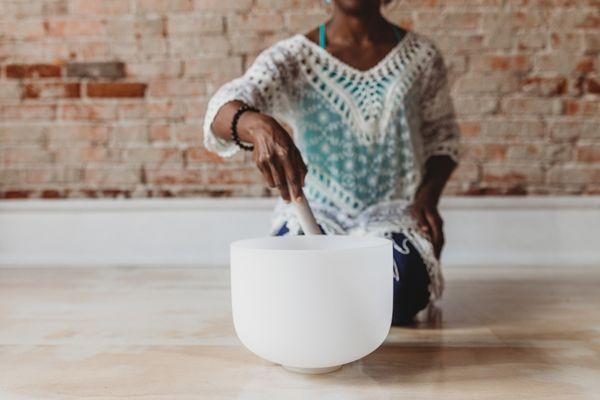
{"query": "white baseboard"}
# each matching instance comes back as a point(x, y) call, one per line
point(480, 231)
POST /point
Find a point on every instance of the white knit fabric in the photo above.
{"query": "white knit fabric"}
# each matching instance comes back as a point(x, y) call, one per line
point(365, 135)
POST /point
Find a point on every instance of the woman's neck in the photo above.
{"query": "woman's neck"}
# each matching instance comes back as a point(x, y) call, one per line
point(365, 28)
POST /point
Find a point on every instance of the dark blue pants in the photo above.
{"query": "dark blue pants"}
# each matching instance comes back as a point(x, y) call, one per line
point(411, 292)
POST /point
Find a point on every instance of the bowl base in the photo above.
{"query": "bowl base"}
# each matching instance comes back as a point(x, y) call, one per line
point(312, 371)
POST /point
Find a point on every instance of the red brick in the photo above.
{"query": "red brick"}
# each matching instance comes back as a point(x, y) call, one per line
point(241, 175)
point(74, 27)
point(470, 129)
point(89, 112)
point(155, 69)
point(255, 22)
point(563, 62)
point(498, 82)
point(129, 135)
point(112, 175)
point(189, 133)
point(115, 89)
point(467, 172)
point(496, 152)
point(168, 109)
point(51, 194)
point(54, 175)
point(23, 28)
point(525, 152)
point(214, 68)
point(85, 155)
point(473, 151)
point(504, 174)
point(474, 105)
point(223, 6)
point(51, 90)
point(586, 65)
point(20, 71)
point(21, 133)
point(173, 176)
point(25, 155)
point(571, 40)
point(39, 176)
point(544, 86)
point(520, 62)
point(104, 7)
point(588, 154)
point(573, 129)
point(576, 17)
point(513, 130)
point(582, 107)
point(26, 112)
point(531, 106)
point(177, 87)
point(15, 194)
point(199, 155)
point(154, 156)
point(194, 24)
point(61, 134)
point(159, 133)
point(574, 174)
point(164, 5)
point(592, 86)
point(10, 90)
point(194, 108)
point(512, 189)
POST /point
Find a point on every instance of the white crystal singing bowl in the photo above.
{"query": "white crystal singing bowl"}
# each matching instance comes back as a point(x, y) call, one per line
point(312, 303)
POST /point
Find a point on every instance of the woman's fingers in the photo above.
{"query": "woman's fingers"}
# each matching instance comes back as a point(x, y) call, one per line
point(435, 222)
point(302, 166)
point(282, 166)
point(422, 221)
point(293, 177)
point(265, 170)
point(278, 171)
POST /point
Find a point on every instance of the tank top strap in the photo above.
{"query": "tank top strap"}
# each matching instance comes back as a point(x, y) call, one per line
point(397, 32)
point(322, 35)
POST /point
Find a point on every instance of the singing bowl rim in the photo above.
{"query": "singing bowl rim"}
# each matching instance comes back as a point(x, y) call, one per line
point(344, 243)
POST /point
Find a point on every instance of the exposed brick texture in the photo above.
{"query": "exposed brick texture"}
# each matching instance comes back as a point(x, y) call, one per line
point(20, 71)
point(106, 98)
point(107, 70)
point(116, 89)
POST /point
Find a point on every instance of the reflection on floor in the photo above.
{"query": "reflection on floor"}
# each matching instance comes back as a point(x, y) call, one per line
point(166, 333)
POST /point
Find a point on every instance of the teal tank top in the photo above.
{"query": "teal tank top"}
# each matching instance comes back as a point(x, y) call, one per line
point(397, 32)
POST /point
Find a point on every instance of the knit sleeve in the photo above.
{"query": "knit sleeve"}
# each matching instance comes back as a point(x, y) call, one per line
point(439, 129)
point(264, 85)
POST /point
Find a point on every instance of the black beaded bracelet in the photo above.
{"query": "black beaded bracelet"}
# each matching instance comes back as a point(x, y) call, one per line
point(234, 134)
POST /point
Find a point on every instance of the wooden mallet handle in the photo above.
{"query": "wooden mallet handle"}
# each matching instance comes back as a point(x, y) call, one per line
point(306, 217)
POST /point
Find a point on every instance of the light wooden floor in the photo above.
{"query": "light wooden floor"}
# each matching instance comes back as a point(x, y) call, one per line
point(166, 333)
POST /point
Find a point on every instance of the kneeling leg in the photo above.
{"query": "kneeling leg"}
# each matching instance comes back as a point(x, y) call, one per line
point(411, 286)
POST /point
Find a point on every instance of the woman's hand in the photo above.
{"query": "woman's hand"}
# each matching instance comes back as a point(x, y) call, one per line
point(275, 154)
point(425, 205)
point(425, 212)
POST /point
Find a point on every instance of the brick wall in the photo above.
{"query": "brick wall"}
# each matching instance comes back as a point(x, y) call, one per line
point(106, 98)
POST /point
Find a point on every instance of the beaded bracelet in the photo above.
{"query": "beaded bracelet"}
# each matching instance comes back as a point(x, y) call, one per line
point(234, 133)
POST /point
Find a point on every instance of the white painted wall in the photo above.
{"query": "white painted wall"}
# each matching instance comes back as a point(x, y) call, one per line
point(479, 231)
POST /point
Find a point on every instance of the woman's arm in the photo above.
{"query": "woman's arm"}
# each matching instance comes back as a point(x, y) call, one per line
point(265, 86)
point(441, 149)
point(425, 204)
point(275, 153)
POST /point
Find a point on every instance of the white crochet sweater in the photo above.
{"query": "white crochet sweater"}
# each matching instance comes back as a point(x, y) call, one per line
point(364, 135)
